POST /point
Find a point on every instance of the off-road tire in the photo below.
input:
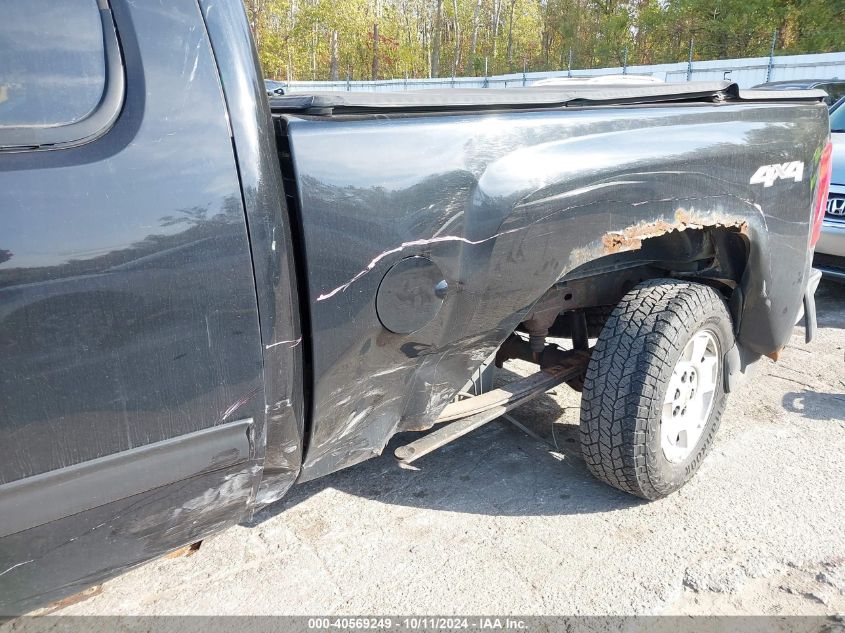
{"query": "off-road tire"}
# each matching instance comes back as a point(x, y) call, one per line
point(626, 384)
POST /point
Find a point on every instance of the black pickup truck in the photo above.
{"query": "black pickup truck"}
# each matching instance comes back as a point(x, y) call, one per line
point(207, 296)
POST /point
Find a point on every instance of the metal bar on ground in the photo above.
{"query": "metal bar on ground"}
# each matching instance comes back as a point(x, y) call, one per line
point(497, 397)
point(521, 391)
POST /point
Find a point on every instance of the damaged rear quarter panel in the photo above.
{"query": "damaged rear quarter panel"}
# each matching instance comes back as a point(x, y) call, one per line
point(506, 204)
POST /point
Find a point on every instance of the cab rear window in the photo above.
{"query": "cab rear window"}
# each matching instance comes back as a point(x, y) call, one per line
point(61, 73)
point(52, 62)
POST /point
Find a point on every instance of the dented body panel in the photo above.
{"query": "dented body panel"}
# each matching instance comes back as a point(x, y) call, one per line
point(507, 204)
point(203, 302)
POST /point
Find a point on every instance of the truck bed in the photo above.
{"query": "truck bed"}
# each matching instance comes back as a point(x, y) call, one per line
point(554, 184)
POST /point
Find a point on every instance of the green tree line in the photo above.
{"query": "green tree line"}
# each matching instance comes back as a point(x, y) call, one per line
point(376, 39)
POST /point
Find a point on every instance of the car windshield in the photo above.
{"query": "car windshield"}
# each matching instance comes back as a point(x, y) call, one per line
point(837, 118)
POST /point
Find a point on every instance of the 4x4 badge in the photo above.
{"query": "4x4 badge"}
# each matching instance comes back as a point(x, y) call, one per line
point(767, 175)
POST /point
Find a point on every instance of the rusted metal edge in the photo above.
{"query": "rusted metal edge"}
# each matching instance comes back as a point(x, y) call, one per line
point(631, 238)
point(519, 392)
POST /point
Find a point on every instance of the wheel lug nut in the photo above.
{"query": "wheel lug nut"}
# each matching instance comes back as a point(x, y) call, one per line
point(677, 394)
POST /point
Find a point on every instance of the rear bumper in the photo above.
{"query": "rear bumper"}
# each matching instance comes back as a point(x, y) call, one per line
point(832, 240)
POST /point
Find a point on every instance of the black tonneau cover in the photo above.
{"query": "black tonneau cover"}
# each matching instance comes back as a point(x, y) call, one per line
point(328, 103)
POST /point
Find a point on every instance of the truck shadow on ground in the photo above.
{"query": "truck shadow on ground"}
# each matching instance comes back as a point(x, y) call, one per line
point(495, 470)
point(815, 405)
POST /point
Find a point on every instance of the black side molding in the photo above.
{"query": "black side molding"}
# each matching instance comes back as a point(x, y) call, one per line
point(53, 495)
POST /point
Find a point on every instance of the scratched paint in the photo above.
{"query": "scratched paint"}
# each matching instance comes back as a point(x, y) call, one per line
point(506, 205)
point(290, 344)
point(14, 567)
point(415, 244)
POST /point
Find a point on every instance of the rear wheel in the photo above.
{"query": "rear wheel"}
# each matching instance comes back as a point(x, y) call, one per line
point(654, 394)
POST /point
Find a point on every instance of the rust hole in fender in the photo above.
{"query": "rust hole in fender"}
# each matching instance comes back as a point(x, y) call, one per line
point(631, 238)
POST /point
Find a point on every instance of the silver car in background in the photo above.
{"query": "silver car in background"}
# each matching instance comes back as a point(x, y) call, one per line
point(830, 251)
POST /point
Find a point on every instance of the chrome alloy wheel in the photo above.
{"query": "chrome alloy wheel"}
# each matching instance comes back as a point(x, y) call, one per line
point(689, 396)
